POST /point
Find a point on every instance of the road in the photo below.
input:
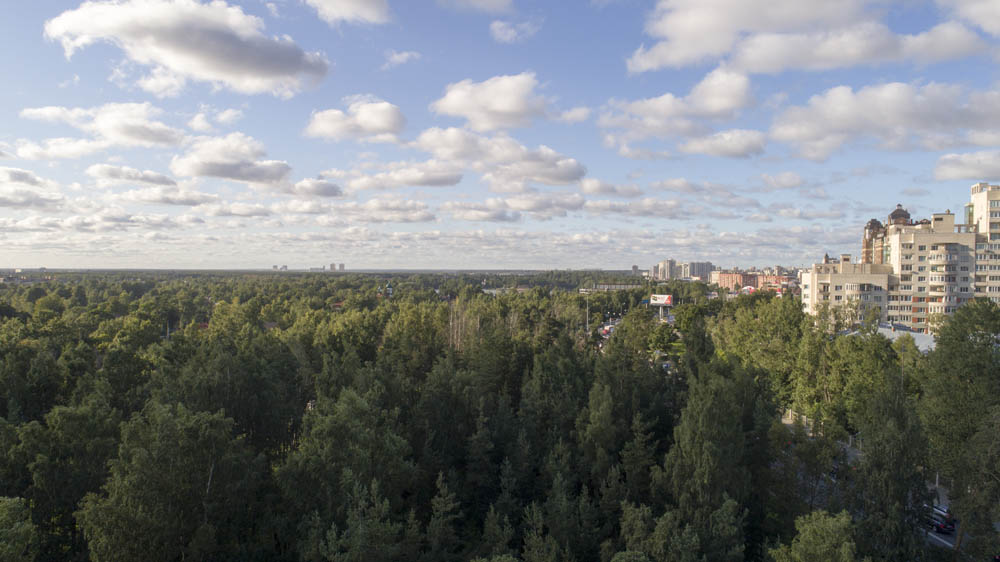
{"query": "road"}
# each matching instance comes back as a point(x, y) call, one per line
point(938, 539)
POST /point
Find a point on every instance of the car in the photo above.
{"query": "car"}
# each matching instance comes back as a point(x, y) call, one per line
point(940, 524)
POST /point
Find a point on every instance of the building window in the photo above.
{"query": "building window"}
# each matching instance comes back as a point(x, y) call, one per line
point(921, 248)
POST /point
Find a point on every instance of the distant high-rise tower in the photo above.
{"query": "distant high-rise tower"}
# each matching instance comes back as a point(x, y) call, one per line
point(333, 267)
point(342, 267)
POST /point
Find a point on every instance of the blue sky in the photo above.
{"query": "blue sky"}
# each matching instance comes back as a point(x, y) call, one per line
point(484, 133)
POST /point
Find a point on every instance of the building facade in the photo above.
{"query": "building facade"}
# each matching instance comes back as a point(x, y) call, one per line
point(911, 270)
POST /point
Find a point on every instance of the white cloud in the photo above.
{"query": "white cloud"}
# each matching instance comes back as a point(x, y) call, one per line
point(789, 211)
point(161, 195)
point(593, 186)
point(432, 173)
point(901, 116)
point(235, 210)
point(366, 118)
point(979, 166)
point(113, 124)
point(228, 116)
point(783, 180)
point(351, 11)
point(23, 189)
point(692, 31)
point(513, 32)
point(505, 163)
point(107, 175)
point(647, 207)
point(575, 115)
point(678, 185)
point(384, 209)
point(493, 210)
point(182, 40)
point(863, 43)
point(396, 58)
point(721, 94)
point(775, 35)
point(489, 6)
point(500, 102)
point(316, 187)
point(236, 157)
point(734, 143)
point(511, 209)
point(981, 13)
point(200, 123)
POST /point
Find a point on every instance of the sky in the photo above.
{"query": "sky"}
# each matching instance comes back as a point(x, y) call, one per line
point(484, 133)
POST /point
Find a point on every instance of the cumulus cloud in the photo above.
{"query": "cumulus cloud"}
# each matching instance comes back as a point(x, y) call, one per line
point(396, 58)
point(677, 185)
point(901, 116)
point(789, 211)
point(511, 209)
point(316, 187)
point(507, 165)
point(235, 210)
point(110, 125)
point(783, 180)
point(489, 6)
point(491, 211)
point(500, 102)
point(200, 123)
point(22, 189)
point(979, 166)
point(647, 207)
point(862, 43)
point(384, 209)
point(181, 40)
point(235, 156)
point(981, 13)
point(513, 32)
point(692, 31)
point(366, 118)
point(164, 195)
point(543, 165)
point(575, 115)
point(594, 186)
point(735, 143)
point(775, 35)
point(432, 173)
point(229, 116)
point(107, 175)
point(351, 11)
point(721, 94)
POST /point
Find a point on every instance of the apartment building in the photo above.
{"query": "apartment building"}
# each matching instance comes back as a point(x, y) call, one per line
point(911, 270)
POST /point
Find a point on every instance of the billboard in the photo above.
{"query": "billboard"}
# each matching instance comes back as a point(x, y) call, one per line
point(661, 300)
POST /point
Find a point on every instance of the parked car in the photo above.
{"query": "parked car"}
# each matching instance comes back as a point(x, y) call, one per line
point(940, 524)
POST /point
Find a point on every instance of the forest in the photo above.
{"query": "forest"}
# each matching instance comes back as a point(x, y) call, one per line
point(317, 417)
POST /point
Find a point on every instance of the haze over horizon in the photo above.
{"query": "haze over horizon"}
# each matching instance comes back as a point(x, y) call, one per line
point(484, 134)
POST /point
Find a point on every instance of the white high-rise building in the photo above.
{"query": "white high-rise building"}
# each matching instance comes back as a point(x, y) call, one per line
point(911, 270)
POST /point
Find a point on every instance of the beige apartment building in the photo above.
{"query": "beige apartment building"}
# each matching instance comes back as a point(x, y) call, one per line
point(910, 270)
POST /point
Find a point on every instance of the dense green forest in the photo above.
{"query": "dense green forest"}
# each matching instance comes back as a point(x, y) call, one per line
point(154, 417)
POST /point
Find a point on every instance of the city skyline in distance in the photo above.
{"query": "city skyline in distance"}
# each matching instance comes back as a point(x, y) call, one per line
point(484, 134)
